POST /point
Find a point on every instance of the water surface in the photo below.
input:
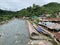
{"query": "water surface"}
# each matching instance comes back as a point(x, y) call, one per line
point(14, 33)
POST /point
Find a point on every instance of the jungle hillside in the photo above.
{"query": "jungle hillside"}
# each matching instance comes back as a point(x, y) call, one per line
point(52, 8)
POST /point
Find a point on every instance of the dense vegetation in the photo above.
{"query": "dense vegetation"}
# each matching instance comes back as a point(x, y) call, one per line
point(35, 10)
point(6, 15)
point(51, 8)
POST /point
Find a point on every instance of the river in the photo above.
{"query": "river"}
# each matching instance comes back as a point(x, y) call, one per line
point(14, 33)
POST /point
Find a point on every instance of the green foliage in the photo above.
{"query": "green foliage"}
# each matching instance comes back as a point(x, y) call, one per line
point(30, 11)
point(6, 15)
point(35, 10)
point(52, 7)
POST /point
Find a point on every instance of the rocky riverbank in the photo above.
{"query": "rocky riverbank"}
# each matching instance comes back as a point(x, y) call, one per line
point(6, 21)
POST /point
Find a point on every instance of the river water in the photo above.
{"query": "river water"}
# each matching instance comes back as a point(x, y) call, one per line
point(14, 33)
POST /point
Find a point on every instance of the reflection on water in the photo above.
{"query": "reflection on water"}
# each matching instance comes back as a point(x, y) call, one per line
point(14, 33)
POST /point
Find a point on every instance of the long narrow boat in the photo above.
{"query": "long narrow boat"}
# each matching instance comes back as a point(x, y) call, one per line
point(40, 29)
point(50, 25)
point(34, 34)
point(32, 31)
point(40, 37)
point(57, 35)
